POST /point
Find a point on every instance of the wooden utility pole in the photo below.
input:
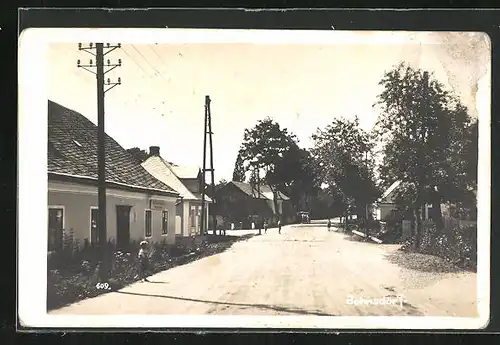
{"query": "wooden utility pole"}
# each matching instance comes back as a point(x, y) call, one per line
point(101, 148)
point(214, 216)
point(252, 201)
point(101, 138)
point(207, 132)
point(258, 200)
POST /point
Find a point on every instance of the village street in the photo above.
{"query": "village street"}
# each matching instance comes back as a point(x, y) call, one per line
point(305, 270)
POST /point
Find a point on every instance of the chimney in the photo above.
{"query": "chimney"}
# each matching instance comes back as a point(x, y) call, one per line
point(154, 150)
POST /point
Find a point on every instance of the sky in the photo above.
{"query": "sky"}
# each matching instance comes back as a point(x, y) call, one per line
point(301, 86)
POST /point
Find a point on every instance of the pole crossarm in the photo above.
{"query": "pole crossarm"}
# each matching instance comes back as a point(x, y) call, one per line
point(112, 67)
point(111, 48)
point(87, 49)
point(112, 85)
point(108, 66)
point(87, 68)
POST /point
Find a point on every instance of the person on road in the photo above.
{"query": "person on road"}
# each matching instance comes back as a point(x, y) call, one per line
point(279, 226)
point(265, 226)
point(329, 225)
point(143, 261)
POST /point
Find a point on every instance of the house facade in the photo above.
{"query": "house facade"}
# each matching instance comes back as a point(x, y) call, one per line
point(186, 181)
point(386, 205)
point(191, 177)
point(138, 206)
point(239, 202)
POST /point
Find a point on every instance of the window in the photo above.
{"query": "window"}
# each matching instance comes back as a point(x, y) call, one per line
point(164, 223)
point(193, 216)
point(55, 228)
point(94, 225)
point(148, 223)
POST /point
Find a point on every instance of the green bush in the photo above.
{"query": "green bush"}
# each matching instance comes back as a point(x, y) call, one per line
point(457, 244)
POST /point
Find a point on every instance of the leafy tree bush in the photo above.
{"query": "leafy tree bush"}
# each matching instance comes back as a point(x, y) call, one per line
point(457, 244)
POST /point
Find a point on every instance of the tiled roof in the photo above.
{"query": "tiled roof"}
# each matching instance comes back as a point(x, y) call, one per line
point(72, 150)
point(265, 191)
point(162, 170)
point(186, 171)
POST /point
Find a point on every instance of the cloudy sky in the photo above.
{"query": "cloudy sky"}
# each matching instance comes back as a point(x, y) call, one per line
point(302, 86)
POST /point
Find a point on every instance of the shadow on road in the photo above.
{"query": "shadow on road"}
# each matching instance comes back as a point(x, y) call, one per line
point(157, 282)
point(261, 306)
point(292, 241)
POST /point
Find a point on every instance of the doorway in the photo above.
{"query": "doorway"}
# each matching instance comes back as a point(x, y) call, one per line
point(122, 226)
point(56, 228)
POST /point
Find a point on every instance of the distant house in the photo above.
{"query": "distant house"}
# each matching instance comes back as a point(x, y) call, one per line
point(386, 204)
point(239, 201)
point(186, 181)
point(190, 175)
point(138, 206)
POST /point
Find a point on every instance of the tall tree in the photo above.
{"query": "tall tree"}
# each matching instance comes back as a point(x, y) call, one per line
point(298, 177)
point(239, 169)
point(345, 163)
point(265, 150)
point(424, 129)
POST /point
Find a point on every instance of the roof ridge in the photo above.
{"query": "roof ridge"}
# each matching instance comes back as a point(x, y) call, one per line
point(391, 188)
point(185, 192)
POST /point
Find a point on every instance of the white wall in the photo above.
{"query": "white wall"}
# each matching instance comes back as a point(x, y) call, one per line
point(78, 200)
point(383, 211)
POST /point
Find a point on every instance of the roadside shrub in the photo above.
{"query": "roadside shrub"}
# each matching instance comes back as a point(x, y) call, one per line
point(456, 244)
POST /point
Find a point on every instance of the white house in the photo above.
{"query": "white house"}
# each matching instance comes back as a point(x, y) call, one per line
point(186, 181)
point(386, 204)
point(138, 206)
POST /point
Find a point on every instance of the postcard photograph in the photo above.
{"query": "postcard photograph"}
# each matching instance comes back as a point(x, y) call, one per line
point(250, 178)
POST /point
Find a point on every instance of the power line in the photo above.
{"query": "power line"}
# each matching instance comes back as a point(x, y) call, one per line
point(144, 58)
point(151, 66)
point(138, 65)
point(147, 61)
point(158, 73)
point(138, 99)
point(158, 55)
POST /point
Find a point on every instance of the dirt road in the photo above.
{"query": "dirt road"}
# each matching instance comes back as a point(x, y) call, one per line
point(305, 270)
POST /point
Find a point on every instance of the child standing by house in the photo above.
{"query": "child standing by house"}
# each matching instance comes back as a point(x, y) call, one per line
point(279, 226)
point(143, 261)
point(265, 226)
point(329, 224)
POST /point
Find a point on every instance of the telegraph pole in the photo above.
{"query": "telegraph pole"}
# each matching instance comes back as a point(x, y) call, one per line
point(101, 153)
point(101, 138)
point(258, 198)
point(203, 170)
point(207, 132)
point(252, 185)
point(214, 216)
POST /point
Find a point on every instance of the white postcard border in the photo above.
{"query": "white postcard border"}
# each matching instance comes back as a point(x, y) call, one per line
point(32, 183)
